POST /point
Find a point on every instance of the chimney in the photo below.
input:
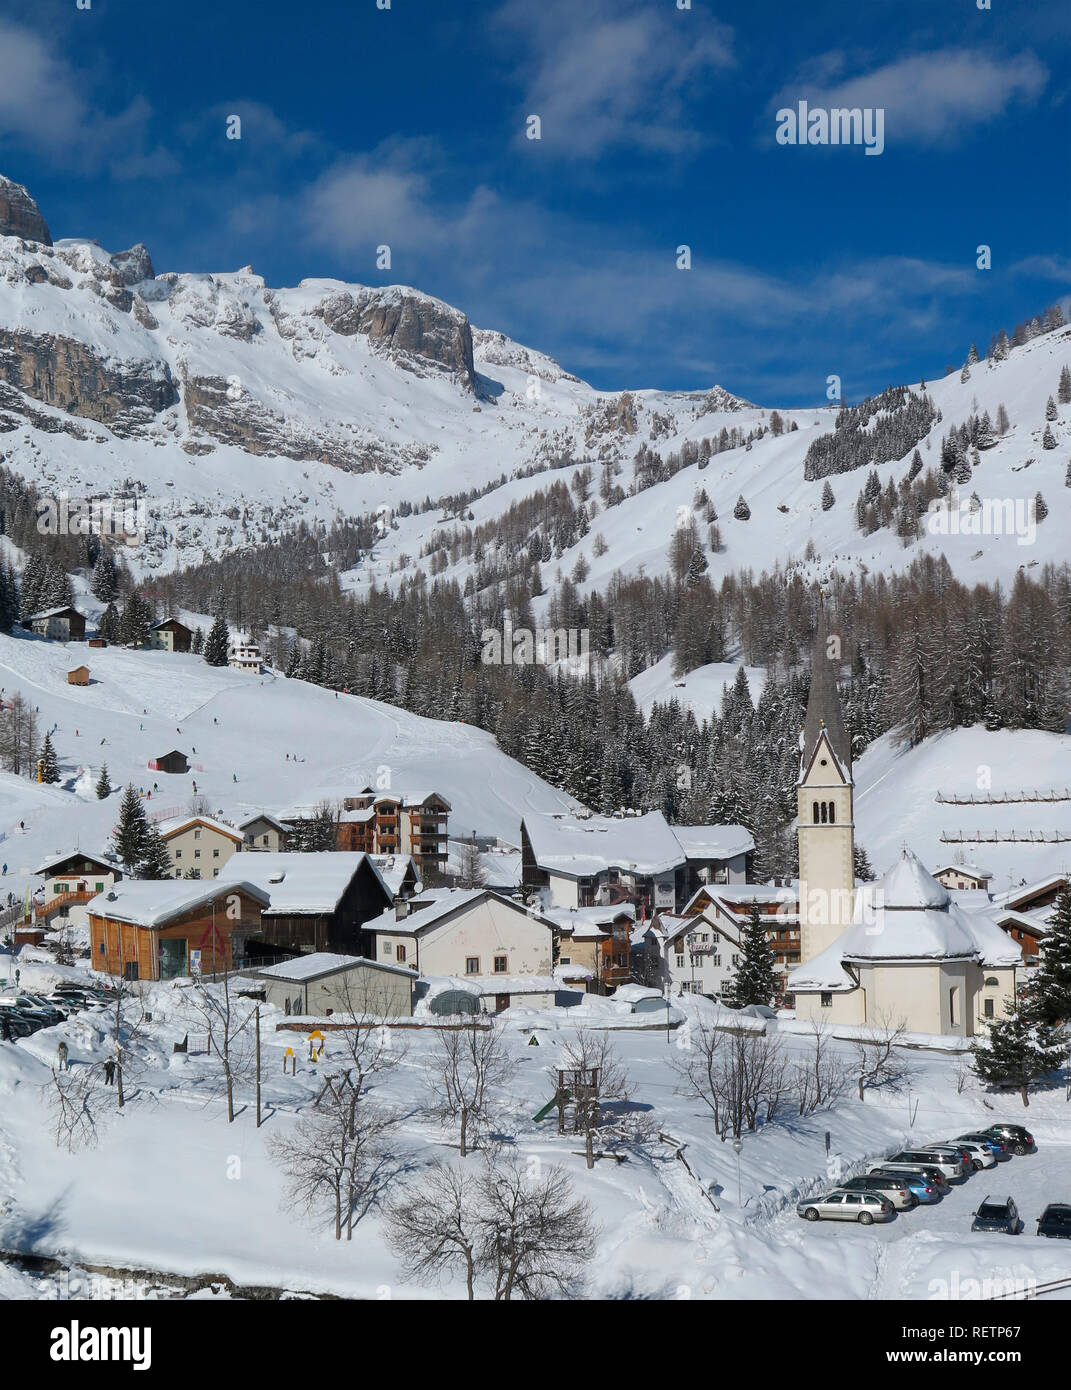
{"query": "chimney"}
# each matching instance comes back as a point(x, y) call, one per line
point(401, 909)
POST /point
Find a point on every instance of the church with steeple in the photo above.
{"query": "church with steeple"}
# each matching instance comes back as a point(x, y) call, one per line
point(898, 950)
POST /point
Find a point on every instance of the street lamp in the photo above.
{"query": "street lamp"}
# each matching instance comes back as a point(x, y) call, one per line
point(737, 1147)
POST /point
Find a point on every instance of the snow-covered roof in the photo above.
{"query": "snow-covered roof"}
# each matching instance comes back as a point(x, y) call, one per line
point(909, 917)
point(968, 869)
point(152, 902)
point(671, 926)
point(320, 963)
point(487, 985)
point(392, 869)
point(714, 841)
point(263, 816)
point(61, 857)
point(52, 612)
point(589, 923)
point(174, 825)
point(436, 904)
point(577, 848)
point(1011, 897)
point(298, 883)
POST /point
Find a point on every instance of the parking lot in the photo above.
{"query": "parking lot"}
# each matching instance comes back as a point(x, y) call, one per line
point(930, 1252)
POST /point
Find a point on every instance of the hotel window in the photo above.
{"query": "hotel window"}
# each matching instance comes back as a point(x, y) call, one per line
point(99, 887)
point(501, 965)
point(987, 1008)
point(814, 811)
point(472, 965)
point(399, 954)
point(196, 834)
point(178, 854)
point(215, 854)
point(197, 854)
point(387, 948)
point(827, 1000)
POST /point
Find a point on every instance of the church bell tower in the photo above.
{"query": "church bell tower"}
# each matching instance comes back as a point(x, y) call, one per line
point(825, 808)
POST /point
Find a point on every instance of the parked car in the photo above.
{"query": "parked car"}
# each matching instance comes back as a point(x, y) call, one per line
point(928, 1171)
point(1055, 1221)
point(925, 1190)
point(997, 1215)
point(18, 1025)
point(25, 1005)
point(839, 1205)
point(894, 1188)
point(1018, 1137)
point(998, 1147)
point(38, 1001)
point(957, 1151)
point(949, 1164)
point(978, 1155)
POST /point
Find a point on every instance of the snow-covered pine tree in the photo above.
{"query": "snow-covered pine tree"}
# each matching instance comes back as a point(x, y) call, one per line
point(103, 787)
point(1063, 391)
point(155, 860)
point(1041, 508)
point(1050, 409)
point(827, 496)
point(470, 870)
point(1048, 439)
point(105, 582)
point(217, 642)
point(742, 511)
point(135, 622)
point(130, 835)
point(1050, 988)
point(197, 642)
point(1019, 1050)
point(47, 762)
point(755, 979)
point(108, 627)
point(1003, 423)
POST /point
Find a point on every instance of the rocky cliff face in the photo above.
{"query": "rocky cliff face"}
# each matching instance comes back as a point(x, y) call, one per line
point(20, 215)
point(67, 374)
point(413, 328)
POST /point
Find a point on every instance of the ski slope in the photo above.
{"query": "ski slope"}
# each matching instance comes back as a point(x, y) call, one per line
point(145, 703)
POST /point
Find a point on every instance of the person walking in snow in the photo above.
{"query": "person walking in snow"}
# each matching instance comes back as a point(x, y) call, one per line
point(61, 1056)
point(234, 776)
point(5, 875)
point(109, 1071)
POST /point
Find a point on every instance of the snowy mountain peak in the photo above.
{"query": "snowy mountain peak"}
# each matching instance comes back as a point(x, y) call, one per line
point(19, 214)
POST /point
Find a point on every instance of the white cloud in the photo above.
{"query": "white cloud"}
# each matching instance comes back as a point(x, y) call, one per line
point(606, 73)
point(928, 98)
point(43, 107)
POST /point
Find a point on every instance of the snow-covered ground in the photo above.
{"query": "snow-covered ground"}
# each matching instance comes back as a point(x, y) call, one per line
point(230, 724)
point(171, 1186)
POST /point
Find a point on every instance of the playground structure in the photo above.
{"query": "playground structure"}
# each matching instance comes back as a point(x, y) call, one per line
point(577, 1092)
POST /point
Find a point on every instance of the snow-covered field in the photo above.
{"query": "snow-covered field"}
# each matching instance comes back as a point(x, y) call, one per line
point(171, 1186)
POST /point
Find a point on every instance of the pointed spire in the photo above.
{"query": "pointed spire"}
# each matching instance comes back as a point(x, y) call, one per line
point(823, 703)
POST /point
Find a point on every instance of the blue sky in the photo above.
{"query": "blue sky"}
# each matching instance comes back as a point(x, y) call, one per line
point(406, 126)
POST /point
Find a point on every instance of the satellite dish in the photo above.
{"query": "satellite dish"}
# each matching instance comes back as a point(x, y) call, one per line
point(418, 887)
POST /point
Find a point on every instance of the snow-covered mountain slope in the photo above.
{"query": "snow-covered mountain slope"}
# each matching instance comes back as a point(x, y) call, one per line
point(897, 791)
point(238, 409)
point(144, 703)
